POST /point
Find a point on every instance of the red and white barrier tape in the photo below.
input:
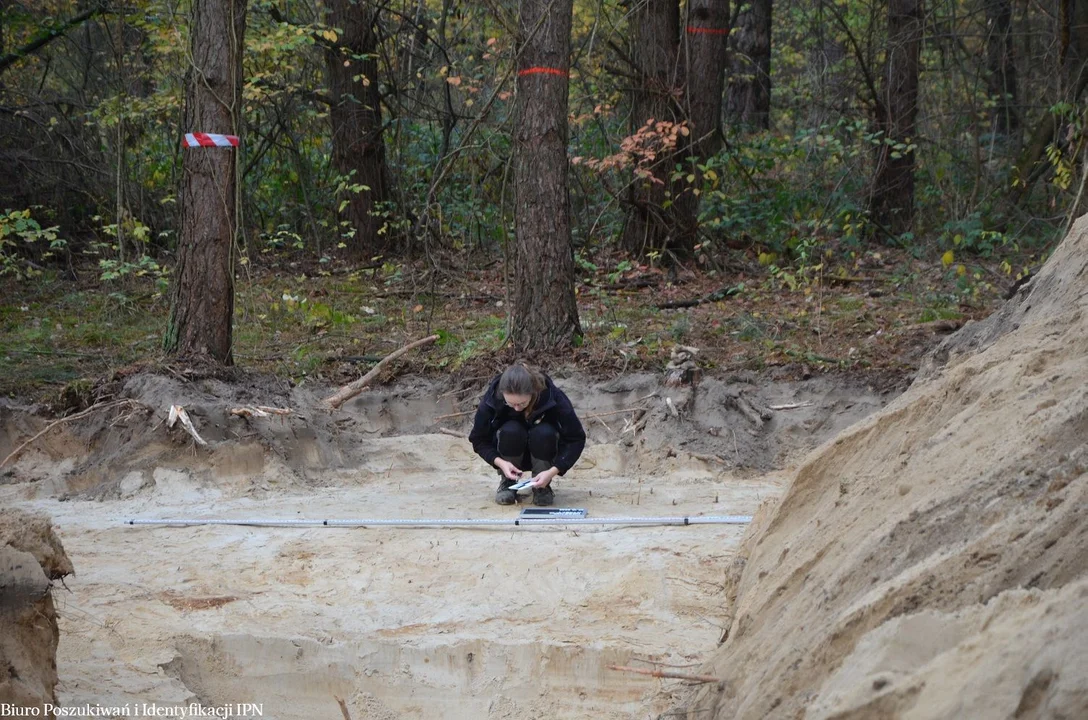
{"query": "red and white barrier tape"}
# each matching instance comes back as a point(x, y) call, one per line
point(209, 140)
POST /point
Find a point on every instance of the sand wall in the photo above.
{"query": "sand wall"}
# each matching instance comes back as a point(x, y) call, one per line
point(932, 561)
point(31, 557)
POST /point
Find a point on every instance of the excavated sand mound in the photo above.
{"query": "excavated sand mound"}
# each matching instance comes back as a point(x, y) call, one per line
point(932, 561)
point(30, 557)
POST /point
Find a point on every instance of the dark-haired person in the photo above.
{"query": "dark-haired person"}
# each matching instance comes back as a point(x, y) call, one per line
point(525, 423)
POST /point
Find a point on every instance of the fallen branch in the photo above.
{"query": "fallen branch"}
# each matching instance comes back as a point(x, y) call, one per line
point(710, 458)
point(343, 707)
point(351, 390)
point(15, 453)
point(748, 409)
point(452, 433)
point(790, 406)
point(259, 411)
point(635, 423)
point(615, 412)
point(453, 415)
point(667, 674)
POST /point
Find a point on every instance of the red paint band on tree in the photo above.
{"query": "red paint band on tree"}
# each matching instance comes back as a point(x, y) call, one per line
point(692, 30)
point(543, 71)
point(209, 140)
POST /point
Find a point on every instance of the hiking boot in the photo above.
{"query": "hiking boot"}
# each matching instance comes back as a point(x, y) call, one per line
point(544, 496)
point(504, 495)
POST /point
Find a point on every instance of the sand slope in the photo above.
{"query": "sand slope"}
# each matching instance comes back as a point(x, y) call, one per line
point(932, 561)
point(31, 557)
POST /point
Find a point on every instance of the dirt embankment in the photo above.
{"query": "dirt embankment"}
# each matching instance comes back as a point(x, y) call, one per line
point(31, 557)
point(932, 561)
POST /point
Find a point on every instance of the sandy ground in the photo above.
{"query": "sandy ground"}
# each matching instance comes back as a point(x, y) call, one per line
point(931, 562)
point(401, 623)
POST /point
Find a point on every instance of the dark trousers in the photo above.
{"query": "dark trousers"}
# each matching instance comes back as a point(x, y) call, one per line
point(530, 448)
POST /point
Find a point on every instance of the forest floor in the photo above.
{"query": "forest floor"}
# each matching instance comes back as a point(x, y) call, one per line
point(871, 313)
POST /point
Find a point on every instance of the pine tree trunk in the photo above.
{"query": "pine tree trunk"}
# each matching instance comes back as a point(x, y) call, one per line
point(544, 314)
point(654, 50)
point(202, 296)
point(1002, 66)
point(706, 37)
point(748, 98)
point(893, 185)
point(358, 148)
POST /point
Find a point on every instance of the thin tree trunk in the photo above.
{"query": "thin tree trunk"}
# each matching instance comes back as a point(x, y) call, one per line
point(544, 314)
point(358, 148)
point(706, 36)
point(893, 184)
point(826, 61)
point(202, 297)
point(449, 119)
point(1002, 70)
point(654, 51)
point(748, 98)
point(1073, 67)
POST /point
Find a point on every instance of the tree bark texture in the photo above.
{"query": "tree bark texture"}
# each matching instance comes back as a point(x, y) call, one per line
point(705, 44)
point(748, 97)
point(655, 53)
point(1000, 59)
point(892, 200)
point(544, 314)
point(358, 148)
point(202, 297)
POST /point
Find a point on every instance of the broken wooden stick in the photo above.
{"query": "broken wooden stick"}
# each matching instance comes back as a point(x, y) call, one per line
point(453, 415)
point(615, 412)
point(790, 406)
point(452, 433)
point(102, 406)
point(343, 707)
point(354, 388)
point(259, 411)
point(667, 674)
point(635, 423)
point(177, 413)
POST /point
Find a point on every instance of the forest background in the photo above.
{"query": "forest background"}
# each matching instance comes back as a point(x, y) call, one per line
point(811, 185)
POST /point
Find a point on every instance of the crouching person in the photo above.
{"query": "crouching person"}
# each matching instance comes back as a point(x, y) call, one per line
point(524, 423)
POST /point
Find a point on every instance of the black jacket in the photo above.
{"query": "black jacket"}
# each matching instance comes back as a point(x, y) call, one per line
point(552, 407)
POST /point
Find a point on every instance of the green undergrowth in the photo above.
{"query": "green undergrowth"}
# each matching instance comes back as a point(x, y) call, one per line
point(332, 325)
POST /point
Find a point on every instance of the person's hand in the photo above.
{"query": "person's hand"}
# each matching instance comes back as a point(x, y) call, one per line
point(545, 478)
point(509, 470)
